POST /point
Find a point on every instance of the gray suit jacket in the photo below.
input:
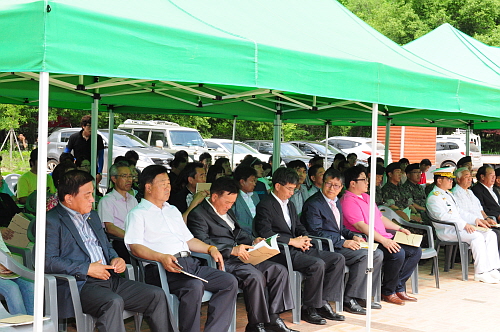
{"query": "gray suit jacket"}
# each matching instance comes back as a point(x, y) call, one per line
point(242, 212)
point(66, 253)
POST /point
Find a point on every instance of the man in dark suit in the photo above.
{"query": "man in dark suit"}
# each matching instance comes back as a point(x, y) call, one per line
point(76, 245)
point(324, 270)
point(266, 287)
point(245, 206)
point(322, 216)
point(485, 193)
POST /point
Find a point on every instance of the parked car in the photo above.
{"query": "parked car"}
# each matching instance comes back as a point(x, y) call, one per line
point(361, 146)
point(170, 137)
point(289, 152)
point(449, 151)
point(240, 149)
point(312, 149)
point(122, 142)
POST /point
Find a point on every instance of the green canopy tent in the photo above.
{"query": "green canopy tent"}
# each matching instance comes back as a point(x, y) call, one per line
point(306, 62)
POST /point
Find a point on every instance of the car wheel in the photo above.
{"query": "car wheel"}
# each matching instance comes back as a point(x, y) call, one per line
point(51, 164)
point(448, 164)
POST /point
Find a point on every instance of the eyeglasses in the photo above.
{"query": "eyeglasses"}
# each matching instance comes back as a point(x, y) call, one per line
point(331, 185)
point(290, 189)
point(362, 180)
point(126, 176)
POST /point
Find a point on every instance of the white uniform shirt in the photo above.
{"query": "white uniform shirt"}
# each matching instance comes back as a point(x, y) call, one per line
point(113, 208)
point(162, 230)
point(441, 206)
point(468, 204)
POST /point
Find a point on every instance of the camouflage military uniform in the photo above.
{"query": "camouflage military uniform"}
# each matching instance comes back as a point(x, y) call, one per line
point(415, 191)
point(394, 195)
point(378, 195)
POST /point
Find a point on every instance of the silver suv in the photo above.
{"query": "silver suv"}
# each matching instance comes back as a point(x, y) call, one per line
point(122, 142)
point(450, 151)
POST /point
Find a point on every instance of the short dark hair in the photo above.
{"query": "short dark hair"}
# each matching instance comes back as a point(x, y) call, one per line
point(243, 172)
point(221, 161)
point(313, 170)
point(86, 120)
point(213, 171)
point(181, 153)
point(205, 155)
point(60, 170)
point(285, 176)
point(425, 162)
point(66, 156)
point(352, 174)
point(404, 160)
point(332, 173)
point(251, 161)
point(316, 159)
point(149, 174)
point(339, 156)
point(497, 171)
point(120, 159)
point(70, 183)
point(351, 155)
point(296, 164)
point(482, 171)
point(188, 172)
point(132, 157)
point(266, 166)
point(223, 184)
point(177, 161)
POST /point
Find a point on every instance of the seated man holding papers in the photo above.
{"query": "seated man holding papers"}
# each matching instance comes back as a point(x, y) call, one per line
point(266, 287)
point(155, 230)
point(399, 259)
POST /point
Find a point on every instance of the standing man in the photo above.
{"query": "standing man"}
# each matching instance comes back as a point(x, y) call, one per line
point(399, 259)
point(322, 216)
point(81, 145)
point(266, 287)
point(76, 245)
point(115, 205)
point(245, 206)
point(443, 206)
point(323, 270)
point(155, 230)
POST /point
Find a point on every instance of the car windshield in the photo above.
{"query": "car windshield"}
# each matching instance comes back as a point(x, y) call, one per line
point(239, 148)
point(186, 138)
point(288, 149)
point(125, 140)
point(321, 148)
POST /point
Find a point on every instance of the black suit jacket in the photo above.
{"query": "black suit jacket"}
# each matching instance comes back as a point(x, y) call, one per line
point(66, 253)
point(179, 200)
point(319, 220)
point(269, 220)
point(490, 206)
point(207, 226)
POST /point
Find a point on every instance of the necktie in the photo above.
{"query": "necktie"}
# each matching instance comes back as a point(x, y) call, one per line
point(336, 212)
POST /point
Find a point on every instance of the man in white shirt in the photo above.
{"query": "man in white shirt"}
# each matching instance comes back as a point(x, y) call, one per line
point(115, 205)
point(442, 205)
point(155, 230)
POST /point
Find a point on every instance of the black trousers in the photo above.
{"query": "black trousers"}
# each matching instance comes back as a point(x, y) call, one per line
point(266, 288)
point(223, 286)
point(323, 272)
point(398, 268)
point(357, 260)
point(106, 300)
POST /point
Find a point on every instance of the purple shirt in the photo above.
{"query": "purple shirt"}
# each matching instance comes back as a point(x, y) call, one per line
point(356, 209)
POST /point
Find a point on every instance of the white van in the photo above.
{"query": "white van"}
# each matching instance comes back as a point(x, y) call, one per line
point(169, 136)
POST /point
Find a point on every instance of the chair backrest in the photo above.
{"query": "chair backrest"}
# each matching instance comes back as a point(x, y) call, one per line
point(11, 180)
point(30, 205)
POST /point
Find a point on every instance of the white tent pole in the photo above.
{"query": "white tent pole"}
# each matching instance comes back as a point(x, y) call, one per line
point(111, 128)
point(41, 198)
point(387, 140)
point(325, 162)
point(467, 138)
point(234, 138)
point(277, 139)
point(373, 177)
point(93, 135)
point(402, 149)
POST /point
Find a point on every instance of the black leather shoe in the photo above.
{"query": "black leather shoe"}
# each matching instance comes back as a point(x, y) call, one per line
point(259, 327)
point(375, 305)
point(278, 326)
point(327, 312)
point(354, 308)
point(311, 316)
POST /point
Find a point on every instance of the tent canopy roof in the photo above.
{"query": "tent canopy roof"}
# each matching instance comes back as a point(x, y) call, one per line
point(221, 58)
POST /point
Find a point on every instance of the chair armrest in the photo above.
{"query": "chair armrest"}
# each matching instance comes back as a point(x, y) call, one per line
point(323, 240)
point(129, 272)
point(75, 296)
point(426, 228)
point(457, 231)
point(210, 260)
point(51, 298)
point(25, 253)
point(288, 257)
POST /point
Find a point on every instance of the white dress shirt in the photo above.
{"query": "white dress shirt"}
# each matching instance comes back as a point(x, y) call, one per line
point(468, 204)
point(224, 217)
point(284, 208)
point(162, 230)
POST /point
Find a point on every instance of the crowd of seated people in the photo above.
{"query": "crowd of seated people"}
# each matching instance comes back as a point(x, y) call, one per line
point(163, 216)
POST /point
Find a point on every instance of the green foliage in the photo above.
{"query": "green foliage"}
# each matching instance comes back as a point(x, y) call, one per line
point(16, 164)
